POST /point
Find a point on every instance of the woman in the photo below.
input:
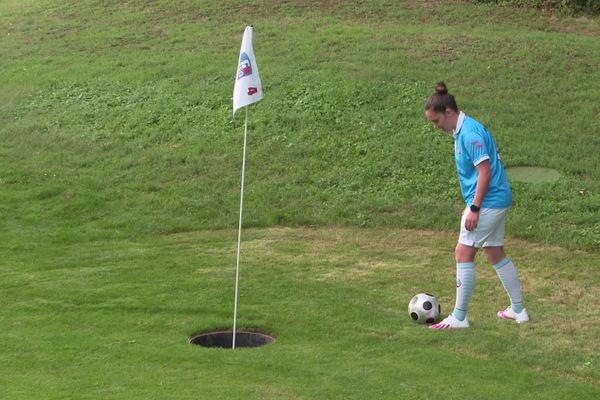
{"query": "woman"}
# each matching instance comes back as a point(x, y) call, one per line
point(486, 191)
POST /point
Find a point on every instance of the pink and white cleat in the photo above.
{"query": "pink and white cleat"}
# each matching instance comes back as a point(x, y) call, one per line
point(519, 318)
point(451, 322)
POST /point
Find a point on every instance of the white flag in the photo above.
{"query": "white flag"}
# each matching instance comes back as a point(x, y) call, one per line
point(248, 88)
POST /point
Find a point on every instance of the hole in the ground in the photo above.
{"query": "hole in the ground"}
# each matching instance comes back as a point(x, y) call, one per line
point(224, 339)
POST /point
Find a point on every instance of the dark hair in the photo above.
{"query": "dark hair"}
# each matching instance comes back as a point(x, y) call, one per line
point(441, 99)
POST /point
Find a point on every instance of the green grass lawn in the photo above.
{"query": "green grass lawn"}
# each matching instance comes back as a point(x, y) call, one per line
point(112, 319)
point(119, 189)
point(110, 110)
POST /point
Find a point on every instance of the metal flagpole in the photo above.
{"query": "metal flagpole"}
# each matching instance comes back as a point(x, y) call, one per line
point(237, 269)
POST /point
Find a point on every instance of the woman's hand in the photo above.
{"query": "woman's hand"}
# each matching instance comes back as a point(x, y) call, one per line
point(471, 220)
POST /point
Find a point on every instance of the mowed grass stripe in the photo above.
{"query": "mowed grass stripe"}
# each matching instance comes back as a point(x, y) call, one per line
point(117, 323)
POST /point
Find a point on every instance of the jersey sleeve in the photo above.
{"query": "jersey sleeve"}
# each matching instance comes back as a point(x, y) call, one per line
point(475, 147)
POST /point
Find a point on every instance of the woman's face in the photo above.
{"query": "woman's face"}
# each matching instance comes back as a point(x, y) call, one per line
point(445, 121)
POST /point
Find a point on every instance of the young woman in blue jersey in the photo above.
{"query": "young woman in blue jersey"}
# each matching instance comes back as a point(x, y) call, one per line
point(488, 197)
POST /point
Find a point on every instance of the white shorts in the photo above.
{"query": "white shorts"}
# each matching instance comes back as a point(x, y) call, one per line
point(489, 231)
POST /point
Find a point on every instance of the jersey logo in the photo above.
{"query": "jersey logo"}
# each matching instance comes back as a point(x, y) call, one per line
point(477, 144)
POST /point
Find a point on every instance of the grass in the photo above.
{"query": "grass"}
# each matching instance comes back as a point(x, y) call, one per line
point(562, 7)
point(119, 189)
point(113, 321)
point(141, 108)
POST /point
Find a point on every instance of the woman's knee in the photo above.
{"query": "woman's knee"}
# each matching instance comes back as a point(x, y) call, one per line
point(463, 253)
point(494, 254)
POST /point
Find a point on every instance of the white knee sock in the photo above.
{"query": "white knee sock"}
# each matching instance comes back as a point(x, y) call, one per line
point(510, 279)
point(465, 282)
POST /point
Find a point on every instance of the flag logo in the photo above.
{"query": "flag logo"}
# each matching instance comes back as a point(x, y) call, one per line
point(245, 67)
point(247, 89)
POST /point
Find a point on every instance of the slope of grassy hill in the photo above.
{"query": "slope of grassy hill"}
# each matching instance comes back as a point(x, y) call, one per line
point(116, 117)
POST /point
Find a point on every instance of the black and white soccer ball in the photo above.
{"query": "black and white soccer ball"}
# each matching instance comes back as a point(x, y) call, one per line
point(424, 308)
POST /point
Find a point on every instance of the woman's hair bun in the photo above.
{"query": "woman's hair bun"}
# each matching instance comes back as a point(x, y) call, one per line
point(441, 88)
point(441, 100)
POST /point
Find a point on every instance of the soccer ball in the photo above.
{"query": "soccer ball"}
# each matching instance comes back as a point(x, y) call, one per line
point(424, 308)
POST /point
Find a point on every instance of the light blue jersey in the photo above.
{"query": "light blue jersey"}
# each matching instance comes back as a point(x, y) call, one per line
point(472, 145)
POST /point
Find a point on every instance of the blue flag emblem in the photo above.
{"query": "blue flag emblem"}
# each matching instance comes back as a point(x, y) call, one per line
point(245, 68)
